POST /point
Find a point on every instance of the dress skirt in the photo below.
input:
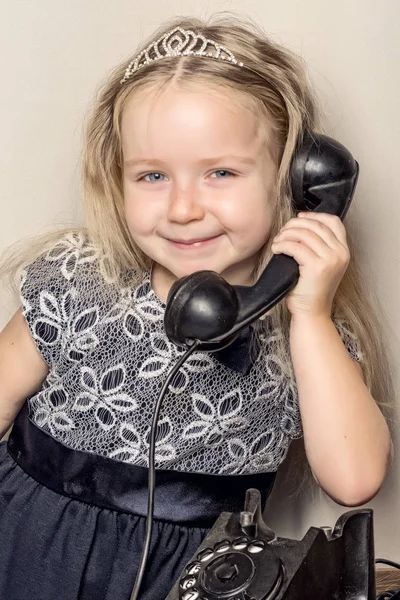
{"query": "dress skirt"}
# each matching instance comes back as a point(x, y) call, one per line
point(72, 523)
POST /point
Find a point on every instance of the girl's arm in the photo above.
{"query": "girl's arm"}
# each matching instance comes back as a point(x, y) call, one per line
point(22, 369)
point(346, 437)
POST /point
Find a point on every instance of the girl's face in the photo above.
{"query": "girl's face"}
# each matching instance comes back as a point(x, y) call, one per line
point(199, 183)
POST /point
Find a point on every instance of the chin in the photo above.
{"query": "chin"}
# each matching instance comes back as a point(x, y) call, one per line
point(185, 270)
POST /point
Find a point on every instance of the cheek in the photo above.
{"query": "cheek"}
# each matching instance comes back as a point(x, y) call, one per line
point(251, 217)
point(261, 214)
point(140, 219)
point(256, 231)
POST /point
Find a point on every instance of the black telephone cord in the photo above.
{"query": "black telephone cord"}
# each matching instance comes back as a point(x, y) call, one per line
point(151, 477)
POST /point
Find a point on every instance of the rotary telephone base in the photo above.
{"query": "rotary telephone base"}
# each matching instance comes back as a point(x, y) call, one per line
point(242, 559)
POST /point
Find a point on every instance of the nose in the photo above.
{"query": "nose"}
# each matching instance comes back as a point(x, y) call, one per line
point(185, 205)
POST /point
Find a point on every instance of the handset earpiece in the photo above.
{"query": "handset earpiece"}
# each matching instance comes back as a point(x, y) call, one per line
point(203, 306)
point(323, 176)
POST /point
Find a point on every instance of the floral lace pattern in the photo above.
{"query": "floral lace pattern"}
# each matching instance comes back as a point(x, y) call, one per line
point(108, 358)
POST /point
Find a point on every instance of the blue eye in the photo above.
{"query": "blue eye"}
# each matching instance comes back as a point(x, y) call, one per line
point(156, 177)
point(223, 174)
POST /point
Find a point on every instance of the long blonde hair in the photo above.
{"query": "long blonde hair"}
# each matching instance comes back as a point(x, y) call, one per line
point(274, 82)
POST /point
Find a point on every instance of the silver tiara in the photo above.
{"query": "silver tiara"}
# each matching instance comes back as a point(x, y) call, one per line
point(179, 42)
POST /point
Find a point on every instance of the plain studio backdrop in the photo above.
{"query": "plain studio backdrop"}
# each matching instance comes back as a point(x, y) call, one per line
point(53, 56)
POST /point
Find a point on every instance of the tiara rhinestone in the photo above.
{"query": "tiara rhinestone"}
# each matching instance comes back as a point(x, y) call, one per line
point(179, 42)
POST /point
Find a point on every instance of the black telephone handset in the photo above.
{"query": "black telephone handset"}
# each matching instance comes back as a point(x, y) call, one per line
point(203, 306)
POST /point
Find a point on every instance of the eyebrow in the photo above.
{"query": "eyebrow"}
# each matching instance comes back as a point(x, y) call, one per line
point(247, 160)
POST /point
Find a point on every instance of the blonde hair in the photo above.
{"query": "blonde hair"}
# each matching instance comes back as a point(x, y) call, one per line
point(273, 81)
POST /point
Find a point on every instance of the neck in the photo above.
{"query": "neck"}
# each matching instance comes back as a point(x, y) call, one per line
point(161, 281)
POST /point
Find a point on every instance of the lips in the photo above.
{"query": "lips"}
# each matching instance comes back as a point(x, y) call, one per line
point(193, 243)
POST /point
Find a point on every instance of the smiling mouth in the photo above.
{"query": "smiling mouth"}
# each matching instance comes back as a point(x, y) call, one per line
point(195, 243)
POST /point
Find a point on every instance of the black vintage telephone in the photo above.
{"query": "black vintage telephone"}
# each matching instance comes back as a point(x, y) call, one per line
point(242, 559)
point(204, 307)
point(204, 312)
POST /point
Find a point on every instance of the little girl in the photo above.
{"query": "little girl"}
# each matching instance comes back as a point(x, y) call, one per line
point(186, 168)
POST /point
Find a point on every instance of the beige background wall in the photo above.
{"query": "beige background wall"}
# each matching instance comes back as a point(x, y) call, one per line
point(53, 55)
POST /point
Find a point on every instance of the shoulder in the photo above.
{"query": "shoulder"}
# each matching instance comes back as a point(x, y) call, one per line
point(68, 261)
point(64, 289)
point(70, 252)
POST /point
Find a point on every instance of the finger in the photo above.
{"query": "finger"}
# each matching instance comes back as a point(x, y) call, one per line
point(332, 221)
point(318, 228)
point(304, 235)
point(302, 254)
